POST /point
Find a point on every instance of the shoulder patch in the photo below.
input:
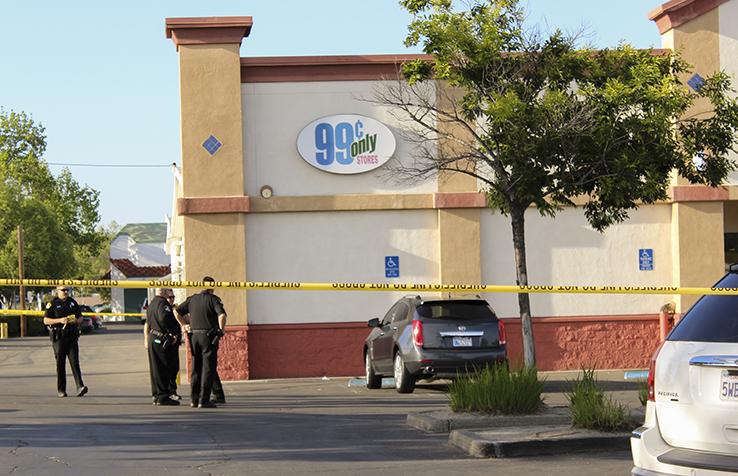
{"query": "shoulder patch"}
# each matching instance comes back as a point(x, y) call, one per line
point(48, 305)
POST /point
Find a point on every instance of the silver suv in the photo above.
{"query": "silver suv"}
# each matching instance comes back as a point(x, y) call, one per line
point(691, 425)
point(421, 338)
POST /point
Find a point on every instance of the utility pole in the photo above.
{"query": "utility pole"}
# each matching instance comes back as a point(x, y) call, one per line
point(22, 288)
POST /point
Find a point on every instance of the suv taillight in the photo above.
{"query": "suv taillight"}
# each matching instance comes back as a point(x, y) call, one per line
point(418, 333)
point(652, 375)
point(501, 332)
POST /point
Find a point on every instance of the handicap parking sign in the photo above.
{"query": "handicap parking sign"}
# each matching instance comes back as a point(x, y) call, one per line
point(391, 266)
point(645, 259)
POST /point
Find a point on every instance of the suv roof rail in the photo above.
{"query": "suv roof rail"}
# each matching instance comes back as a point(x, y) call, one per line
point(733, 268)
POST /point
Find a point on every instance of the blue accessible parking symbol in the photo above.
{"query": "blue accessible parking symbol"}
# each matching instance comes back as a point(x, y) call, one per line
point(645, 259)
point(391, 266)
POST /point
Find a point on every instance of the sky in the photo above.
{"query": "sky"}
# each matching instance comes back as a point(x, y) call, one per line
point(103, 79)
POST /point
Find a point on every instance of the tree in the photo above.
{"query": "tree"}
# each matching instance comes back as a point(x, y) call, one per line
point(59, 216)
point(539, 121)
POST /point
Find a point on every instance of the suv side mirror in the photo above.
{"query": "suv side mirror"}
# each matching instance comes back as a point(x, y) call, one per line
point(373, 322)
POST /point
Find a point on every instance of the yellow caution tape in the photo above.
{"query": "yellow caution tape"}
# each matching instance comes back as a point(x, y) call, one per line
point(28, 312)
point(296, 286)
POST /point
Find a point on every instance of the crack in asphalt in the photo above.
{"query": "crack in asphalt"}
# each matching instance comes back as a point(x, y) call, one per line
point(218, 446)
point(20, 444)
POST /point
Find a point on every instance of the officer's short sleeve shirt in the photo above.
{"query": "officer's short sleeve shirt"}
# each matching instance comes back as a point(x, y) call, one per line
point(204, 309)
point(62, 308)
point(160, 316)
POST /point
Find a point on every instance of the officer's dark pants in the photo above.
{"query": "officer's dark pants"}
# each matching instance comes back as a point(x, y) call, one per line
point(218, 391)
point(67, 346)
point(204, 363)
point(163, 367)
point(174, 370)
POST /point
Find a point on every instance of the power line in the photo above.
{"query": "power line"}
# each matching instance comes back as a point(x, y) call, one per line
point(111, 165)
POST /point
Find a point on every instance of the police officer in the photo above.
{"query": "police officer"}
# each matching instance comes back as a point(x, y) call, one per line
point(161, 332)
point(207, 319)
point(62, 316)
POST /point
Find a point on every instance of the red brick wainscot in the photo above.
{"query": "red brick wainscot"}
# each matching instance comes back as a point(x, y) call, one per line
point(562, 343)
point(260, 351)
point(576, 342)
point(233, 361)
point(306, 350)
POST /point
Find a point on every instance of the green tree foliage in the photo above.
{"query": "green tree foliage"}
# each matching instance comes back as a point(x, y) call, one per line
point(58, 215)
point(539, 120)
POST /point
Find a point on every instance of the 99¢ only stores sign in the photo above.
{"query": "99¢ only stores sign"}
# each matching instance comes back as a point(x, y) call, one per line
point(346, 144)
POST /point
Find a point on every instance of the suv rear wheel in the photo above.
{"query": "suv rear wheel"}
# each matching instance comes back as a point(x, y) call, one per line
point(373, 381)
point(404, 382)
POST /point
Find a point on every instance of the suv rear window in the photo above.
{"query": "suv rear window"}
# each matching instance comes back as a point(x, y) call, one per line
point(712, 318)
point(459, 310)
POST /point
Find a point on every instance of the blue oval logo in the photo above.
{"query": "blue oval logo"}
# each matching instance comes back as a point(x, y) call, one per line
point(346, 144)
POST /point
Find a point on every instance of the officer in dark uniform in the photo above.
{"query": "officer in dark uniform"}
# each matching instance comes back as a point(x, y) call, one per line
point(175, 371)
point(161, 339)
point(207, 319)
point(62, 317)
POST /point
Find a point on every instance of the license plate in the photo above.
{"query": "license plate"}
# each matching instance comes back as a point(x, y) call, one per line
point(462, 342)
point(728, 386)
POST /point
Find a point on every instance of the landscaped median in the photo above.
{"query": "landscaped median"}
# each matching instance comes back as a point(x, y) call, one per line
point(547, 430)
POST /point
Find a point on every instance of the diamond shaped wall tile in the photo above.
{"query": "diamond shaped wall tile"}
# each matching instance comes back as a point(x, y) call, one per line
point(696, 82)
point(212, 145)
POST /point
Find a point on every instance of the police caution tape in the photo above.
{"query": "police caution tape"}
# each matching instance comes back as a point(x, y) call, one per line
point(296, 286)
point(27, 312)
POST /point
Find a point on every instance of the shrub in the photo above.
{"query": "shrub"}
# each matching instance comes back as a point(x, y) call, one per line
point(591, 409)
point(497, 389)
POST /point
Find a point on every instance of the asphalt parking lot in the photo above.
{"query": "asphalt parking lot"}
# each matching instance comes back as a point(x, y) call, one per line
point(305, 426)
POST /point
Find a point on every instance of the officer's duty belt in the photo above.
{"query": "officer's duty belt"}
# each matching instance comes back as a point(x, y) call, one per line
point(201, 331)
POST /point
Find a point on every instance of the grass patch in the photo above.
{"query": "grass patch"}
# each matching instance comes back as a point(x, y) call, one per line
point(497, 389)
point(590, 408)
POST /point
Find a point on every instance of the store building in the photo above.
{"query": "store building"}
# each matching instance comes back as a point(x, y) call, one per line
point(251, 207)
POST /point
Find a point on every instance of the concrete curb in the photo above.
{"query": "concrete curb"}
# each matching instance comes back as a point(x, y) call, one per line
point(535, 441)
point(448, 421)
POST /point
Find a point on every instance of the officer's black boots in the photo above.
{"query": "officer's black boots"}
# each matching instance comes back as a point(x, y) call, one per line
point(81, 391)
point(168, 402)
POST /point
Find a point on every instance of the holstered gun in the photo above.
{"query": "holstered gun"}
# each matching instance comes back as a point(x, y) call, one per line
point(215, 335)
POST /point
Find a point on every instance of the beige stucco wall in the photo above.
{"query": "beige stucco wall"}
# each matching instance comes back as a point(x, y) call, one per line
point(730, 217)
point(728, 21)
point(697, 227)
point(699, 257)
point(274, 115)
point(215, 246)
point(210, 87)
point(698, 43)
point(567, 251)
point(459, 242)
point(336, 247)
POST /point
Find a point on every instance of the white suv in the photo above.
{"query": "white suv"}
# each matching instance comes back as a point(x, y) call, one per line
point(691, 425)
